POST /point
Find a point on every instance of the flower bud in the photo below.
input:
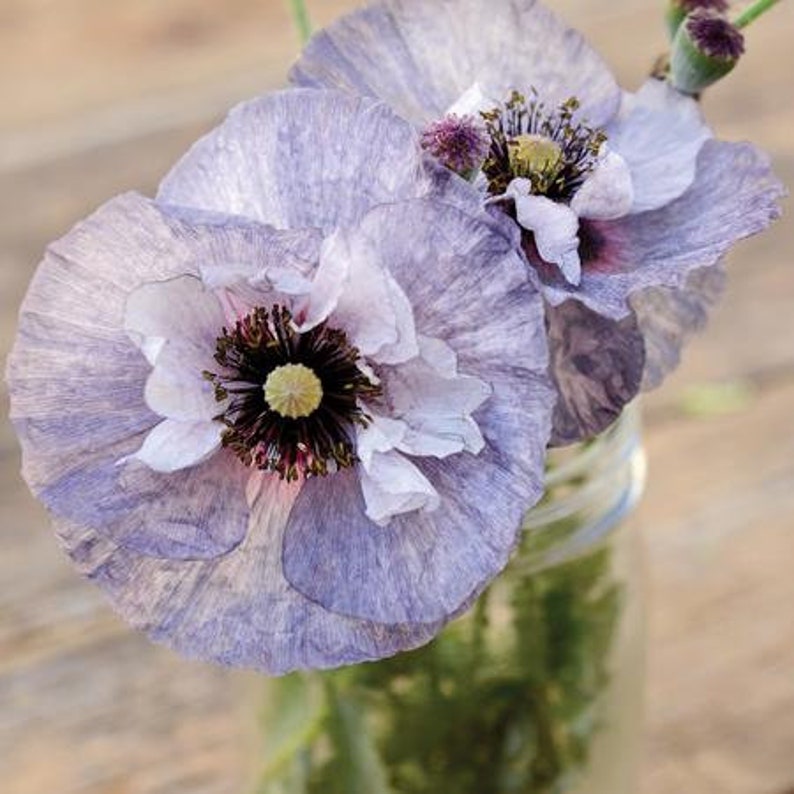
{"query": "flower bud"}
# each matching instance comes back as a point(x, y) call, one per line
point(677, 11)
point(705, 49)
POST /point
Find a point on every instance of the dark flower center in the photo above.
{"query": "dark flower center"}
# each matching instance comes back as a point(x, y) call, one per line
point(292, 398)
point(550, 148)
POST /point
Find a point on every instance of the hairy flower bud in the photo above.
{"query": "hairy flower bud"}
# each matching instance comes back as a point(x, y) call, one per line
point(706, 48)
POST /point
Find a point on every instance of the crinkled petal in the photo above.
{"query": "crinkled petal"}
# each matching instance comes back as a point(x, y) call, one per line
point(181, 308)
point(555, 227)
point(436, 404)
point(668, 317)
point(735, 195)
point(607, 193)
point(238, 609)
point(471, 290)
point(174, 445)
point(76, 382)
point(177, 388)
point(392, 485)
point(420, 57)
point(302, 159)
point(660, 134)
point(353, 286)
point(597, 364)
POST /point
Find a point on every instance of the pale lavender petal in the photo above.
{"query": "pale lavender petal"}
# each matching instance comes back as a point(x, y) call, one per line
point(470, 289)
point(362, 298)
point(237, 609)
point(555, 229)
point(659, 134)
point(180, 309)
point(735, 195)
point(421, 57)
point(76, 382)
point(608, 193)
point(175, 445)
point(391, 485)
point(302, 159)
point(597, 364)
point(669, 317)
point(176, 388)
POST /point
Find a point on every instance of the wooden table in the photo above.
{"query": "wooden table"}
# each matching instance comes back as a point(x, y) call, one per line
point(101, 97)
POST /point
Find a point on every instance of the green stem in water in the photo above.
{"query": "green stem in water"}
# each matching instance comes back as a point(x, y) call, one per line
point(300, 17)
point(754, 11)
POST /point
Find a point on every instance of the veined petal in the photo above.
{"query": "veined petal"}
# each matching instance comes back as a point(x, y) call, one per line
point(420, 57)
point(237, 609)
point(597, 365)
point(302, 159)
point(659, 134)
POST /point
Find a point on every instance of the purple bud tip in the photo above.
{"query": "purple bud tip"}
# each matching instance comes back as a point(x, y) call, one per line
point(461, 143)
point(715, 36)
point(717, 6)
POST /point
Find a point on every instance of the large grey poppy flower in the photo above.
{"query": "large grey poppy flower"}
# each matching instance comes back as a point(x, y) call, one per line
point(616, 194)
point(290, 415)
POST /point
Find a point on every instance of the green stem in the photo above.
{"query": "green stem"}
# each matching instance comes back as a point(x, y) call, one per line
point(754, 11)
point(300, 17)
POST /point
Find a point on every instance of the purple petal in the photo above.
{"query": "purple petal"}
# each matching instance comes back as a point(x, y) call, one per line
point(237, 609)
point(470, 289)
point(669, 317)
point(420, 57)
point(76, 382)
point(660, 138)
point(301, 159)
point(735, 195)
point(597, 364)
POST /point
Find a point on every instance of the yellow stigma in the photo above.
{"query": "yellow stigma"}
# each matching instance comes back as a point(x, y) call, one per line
point(534, 154)
point(293, 391)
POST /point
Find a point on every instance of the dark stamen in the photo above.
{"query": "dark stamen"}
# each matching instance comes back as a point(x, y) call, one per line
point(511, 124)
point(261, 437)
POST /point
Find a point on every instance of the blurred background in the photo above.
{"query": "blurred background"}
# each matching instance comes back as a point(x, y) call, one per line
point(100, 97)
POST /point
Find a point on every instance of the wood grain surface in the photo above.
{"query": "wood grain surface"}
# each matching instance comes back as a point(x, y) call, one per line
point(101, 97)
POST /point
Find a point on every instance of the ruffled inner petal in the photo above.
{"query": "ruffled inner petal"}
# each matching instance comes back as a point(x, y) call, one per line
point(355, 288)
point(174, 445)
point(608, 193)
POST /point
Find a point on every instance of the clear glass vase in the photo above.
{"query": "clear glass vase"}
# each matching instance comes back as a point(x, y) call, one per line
point(537, 690)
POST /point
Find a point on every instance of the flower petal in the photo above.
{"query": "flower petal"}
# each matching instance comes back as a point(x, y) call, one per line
point(76, 382)
point(469, 289)
point(607, 193)
point(363, 298)
point(659, 135)
point(302, 159)
point(668, 317)
point(735, 195)
point(420, 57)
point(174, 445)
point(181, 308)
point(597, 364)
point(555, 227)
point(392, 485)
point(238, 609)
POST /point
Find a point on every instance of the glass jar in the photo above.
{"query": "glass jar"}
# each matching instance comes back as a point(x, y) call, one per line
point(537, 690)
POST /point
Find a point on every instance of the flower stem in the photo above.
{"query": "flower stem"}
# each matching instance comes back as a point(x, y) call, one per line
point(752, 12)
point(300, 16)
